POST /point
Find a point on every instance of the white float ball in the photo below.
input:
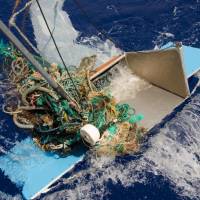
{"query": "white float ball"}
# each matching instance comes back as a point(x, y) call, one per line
point(90, 134)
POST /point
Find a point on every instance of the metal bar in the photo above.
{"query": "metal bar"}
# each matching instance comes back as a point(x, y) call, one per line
point(59, 89)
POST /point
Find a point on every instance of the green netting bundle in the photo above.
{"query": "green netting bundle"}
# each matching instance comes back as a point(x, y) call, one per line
point(56, 122)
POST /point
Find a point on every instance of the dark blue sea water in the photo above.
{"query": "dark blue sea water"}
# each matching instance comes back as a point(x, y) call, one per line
point(168, 166)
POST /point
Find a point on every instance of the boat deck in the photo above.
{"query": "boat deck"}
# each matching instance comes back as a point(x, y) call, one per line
point(154, 103)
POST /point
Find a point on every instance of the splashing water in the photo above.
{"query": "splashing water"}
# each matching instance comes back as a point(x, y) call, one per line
point(125, 85)
point(65, 36)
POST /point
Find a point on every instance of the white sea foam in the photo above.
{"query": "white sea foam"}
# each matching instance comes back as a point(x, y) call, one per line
point(125, 85)
point(65, 36)
point(4, 196)
point(175, 150)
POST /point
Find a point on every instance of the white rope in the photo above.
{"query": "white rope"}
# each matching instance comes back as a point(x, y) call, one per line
point(12, 22)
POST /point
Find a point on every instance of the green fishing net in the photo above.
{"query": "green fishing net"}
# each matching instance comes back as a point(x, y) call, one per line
point(56, 122)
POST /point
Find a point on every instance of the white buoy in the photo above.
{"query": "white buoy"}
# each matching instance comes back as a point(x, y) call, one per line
point(90, 134)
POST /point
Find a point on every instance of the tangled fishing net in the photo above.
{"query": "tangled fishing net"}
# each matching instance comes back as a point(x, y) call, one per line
point(56, 122)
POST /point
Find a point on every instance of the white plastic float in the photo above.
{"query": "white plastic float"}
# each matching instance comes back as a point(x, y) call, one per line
point(90, 134)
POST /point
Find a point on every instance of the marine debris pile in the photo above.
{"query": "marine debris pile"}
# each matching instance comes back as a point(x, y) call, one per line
point(56, 122)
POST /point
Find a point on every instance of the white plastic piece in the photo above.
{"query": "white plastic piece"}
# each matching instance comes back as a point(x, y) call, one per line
point(90, 134)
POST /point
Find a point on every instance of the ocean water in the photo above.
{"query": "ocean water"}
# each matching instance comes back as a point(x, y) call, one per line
point(168, 165)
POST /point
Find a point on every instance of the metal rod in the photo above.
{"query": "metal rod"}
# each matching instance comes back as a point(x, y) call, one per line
point(59, 89)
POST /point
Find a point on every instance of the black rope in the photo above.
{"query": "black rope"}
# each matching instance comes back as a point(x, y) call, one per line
point(57, 48)
point(93, 24)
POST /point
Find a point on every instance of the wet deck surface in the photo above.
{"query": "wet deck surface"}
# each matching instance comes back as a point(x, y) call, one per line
point(154, 103)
